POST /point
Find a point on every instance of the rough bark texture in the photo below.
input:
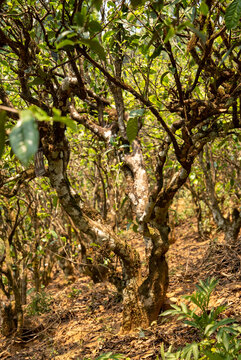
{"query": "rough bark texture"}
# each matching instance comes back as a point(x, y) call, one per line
point(142, 300)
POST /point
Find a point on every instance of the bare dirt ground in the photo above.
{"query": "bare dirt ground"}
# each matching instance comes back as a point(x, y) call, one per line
point(84, 320)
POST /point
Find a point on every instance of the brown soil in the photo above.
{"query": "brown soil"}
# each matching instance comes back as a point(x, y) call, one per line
point(85, 318)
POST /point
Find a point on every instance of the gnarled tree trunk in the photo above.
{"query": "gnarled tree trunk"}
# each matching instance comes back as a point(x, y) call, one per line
point(142, 300)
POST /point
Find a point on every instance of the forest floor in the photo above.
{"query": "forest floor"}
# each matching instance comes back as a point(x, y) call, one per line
point(84, 319)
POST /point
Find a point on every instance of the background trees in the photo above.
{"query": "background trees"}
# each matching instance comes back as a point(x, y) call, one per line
point(142, 88)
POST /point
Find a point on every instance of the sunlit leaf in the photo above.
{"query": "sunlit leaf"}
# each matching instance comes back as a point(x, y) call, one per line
point(163, 76)
point(204, 8)
point(225, 340)
point(170, 34)
point(195, 351)
point(65, 34)
point(162, 351)
point(108, 35)
point(65, 43)
point(63, 119)
point(24, 137)
point(233, 14)
point(132, 129)
point(53, 233)
point(39, 113)
point(95, 46)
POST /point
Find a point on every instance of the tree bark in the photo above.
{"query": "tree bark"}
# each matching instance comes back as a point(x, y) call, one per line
point(230, 227)
point(142, 300)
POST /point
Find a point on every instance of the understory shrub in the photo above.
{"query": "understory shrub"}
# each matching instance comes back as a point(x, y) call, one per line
point(39, 304)
point(220, 339)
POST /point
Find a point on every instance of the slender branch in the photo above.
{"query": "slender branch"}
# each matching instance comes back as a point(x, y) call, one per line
point(19, 179)
point(9, 109)
point(138, 96)
point(176, 75)
point(208, 48)
point(103, 133)
point(81, 85)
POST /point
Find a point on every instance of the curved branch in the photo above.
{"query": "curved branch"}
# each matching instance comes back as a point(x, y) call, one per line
point(138, 96)
point(103, 133)
point(19, 179)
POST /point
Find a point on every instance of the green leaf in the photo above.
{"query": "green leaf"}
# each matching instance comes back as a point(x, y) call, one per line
point(95, 46)
point(226, 56)
point(184, 308)
point(97, 4)
point(162, 351)
point(163, 76)
point(170, 34)
point(94, 26)
point(132, 129)
point(63, 119)
point(233, 14)
point(213, 356)
point(211, 328)
point(39, 113)
point(65, 44)
point(2, 131)
point(36, 81)
point(67, 33)
point(225, 341)
point(189, 350)
point(168, 312)
point(195, 351)
point(128, 225)
point(108, 35)
point(176, 307)
point(136, 3)
point(53, 233)
point(157, 51)
point(79, 18)
point(55, 201)
point(204, 8)
point(192, 323)
point(24, 137)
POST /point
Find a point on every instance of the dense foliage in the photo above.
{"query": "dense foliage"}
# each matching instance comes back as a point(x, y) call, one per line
point(115, 101)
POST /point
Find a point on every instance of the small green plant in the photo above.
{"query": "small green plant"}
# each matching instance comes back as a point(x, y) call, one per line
point(39, 304)
point(220, 339)
point(74, 293)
